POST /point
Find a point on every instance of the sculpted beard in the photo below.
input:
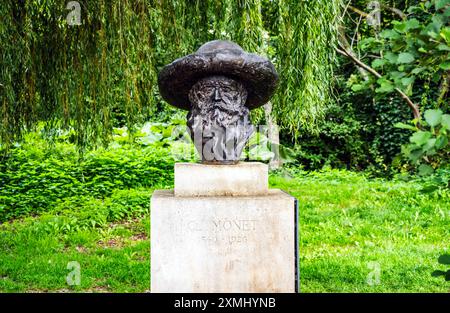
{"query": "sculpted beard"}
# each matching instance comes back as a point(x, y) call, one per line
point(219, 120)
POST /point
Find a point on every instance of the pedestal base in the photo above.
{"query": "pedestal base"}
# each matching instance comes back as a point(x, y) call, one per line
point(242, 179)
point(223, 243)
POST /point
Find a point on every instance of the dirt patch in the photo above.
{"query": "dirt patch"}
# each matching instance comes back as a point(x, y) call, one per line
point(111, 243)
point(81, 249)
point(98, 289)
point(35, 291)
point(139, 237)
point(127, 223)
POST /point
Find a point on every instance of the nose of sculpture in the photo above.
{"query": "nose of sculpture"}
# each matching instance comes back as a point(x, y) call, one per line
point(217, 96)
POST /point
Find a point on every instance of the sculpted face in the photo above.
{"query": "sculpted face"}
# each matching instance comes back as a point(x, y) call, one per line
point(218, 92)
point(219, 121)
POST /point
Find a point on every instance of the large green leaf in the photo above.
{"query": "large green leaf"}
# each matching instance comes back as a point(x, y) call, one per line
point(445, 33)
point(389, 33)
point(425, 170)
point(150, 139)
point(261, 152)
point(412, 24)
point(441, 141)
point(439, 4)
point(417, 70)
point(447, 12)
point(405, 57)
point(429, 145)
point(407, 80)
point(378, 63)
point(391, 57)
point(444, 259)
point(385, 86)
point(357, 87)
point(399, 26)
point(420, 138)
point(415, 155)
point(445, 121)
point(433, 117)
point(397, 75)
point(445, 65)
point(404, 126)
point(443, 47)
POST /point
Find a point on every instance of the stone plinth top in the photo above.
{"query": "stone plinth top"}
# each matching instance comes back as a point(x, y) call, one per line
point(242, 179)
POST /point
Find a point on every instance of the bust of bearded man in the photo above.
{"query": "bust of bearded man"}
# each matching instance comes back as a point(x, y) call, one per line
point(218, 85)
point(219, 121)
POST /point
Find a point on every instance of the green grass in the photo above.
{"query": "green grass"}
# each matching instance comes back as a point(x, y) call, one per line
point(112, 260)
point(346, 222)
point(109, 239)
point(351, 226)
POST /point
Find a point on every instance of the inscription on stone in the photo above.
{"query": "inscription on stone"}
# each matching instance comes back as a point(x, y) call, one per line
point(220, 225)
point(223, 230)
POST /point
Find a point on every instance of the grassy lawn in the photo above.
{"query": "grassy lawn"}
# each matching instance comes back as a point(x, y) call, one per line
point(114, 259)
point(351, 230)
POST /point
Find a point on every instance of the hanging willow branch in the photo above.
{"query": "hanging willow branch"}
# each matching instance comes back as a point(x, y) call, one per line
point(102, 73)
point(306, 39)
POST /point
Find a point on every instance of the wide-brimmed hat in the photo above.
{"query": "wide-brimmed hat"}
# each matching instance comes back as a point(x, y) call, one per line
point(218, 57)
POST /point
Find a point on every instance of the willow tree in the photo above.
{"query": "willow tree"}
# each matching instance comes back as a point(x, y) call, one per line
point(90, 76)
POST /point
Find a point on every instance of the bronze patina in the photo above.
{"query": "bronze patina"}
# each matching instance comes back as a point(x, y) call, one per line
point(218, 84)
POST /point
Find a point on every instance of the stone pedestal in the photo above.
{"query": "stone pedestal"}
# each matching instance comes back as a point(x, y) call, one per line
point(242, 179)
point(213, 237)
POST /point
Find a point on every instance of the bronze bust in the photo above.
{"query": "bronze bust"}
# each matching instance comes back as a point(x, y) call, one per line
point(218, 84)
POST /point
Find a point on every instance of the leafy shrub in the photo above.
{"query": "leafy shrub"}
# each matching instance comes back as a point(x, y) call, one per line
point(125, 204)
point(126, 167)
point(429, 145)
point(35, 176)
point(86, 212)
point(412, 56)
point(357, 133)
point(339, 144)
point(428, 150)
point(414, 49)
point(443, 259)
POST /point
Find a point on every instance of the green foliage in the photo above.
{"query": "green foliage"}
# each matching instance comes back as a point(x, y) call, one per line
point(80, 213)
point(36, 176)
point(443, 259)
point(392, 49)
point(414, 49)
point(339, 144)
point(356, 133)
point(428, 147)
point(428, 151)
point(103, 73)
point(305, 44)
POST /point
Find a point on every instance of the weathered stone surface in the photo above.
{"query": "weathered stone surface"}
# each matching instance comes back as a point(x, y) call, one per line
point(223, 244)
point(242, 179)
